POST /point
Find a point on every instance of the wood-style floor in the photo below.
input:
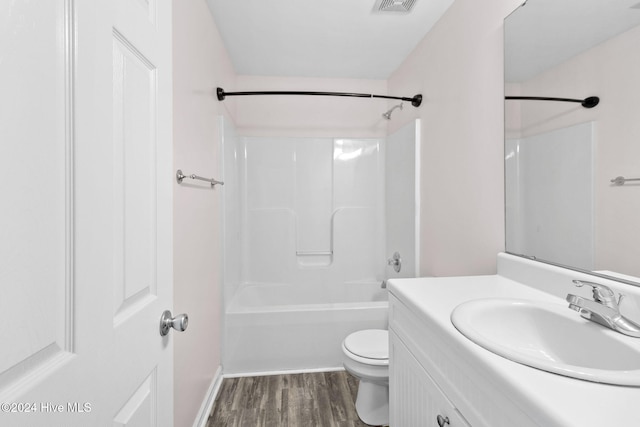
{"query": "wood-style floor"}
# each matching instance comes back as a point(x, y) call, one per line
point(323, 399)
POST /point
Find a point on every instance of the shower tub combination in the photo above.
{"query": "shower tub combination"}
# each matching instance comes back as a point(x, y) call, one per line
point(290, 327)
point(304, 247)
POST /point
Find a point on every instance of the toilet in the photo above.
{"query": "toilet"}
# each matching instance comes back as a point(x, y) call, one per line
point(366, 357)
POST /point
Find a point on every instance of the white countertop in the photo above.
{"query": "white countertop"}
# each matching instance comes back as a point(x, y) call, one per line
point(550, 399)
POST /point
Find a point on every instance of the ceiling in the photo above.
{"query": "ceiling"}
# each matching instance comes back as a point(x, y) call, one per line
point(544, 33)
point(321, 38)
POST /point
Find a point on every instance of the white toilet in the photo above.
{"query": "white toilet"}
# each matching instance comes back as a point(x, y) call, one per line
point(366, 356)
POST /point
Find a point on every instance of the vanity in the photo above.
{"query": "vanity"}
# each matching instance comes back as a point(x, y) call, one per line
point(439, 377)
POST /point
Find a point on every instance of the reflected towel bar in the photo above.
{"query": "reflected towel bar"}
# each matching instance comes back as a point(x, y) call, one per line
point(180, 176)
point(620, 180)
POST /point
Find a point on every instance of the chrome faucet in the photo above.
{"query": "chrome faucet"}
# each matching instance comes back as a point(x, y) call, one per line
point(603, 309)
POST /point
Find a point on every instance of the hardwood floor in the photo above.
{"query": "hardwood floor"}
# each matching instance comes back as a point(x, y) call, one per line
point(323, 399)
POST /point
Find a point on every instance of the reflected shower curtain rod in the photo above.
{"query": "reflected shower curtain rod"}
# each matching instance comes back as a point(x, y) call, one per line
point(415, 101)
point(589, 102)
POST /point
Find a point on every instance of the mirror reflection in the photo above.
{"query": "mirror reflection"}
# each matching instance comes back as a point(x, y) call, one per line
point(563, 203)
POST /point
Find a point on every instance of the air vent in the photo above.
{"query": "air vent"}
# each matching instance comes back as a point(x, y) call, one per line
point(393, 6)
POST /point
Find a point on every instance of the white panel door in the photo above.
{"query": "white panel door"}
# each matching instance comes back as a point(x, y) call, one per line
point(85, 224)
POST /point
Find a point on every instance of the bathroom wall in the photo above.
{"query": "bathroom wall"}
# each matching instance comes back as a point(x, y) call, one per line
point(605, 71)
point(458, 67)
point(200, 64)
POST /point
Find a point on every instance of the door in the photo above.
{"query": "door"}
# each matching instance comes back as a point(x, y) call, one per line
point(85, 223)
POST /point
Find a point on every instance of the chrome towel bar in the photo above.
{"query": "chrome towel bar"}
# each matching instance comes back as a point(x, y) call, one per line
point(180, 176)
point(620, 180)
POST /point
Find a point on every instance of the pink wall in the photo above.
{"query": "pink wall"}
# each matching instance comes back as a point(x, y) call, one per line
point(458, 68)
point(200, 64)
point(306, 116)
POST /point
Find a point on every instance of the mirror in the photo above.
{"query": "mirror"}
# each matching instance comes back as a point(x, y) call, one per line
point(562, 206)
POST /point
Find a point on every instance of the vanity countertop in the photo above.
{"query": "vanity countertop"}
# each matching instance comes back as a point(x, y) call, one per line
point(550, 399)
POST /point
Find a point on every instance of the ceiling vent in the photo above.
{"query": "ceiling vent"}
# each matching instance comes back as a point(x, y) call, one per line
point(393, 6)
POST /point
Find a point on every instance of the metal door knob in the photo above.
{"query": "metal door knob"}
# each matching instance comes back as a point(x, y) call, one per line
point(179, 323)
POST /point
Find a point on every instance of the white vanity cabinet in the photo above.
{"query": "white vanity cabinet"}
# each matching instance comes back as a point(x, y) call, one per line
point(435, 370)
point(415, 398)
point(428, 378)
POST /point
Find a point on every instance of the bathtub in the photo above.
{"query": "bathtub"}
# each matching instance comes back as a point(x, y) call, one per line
point(283, 327)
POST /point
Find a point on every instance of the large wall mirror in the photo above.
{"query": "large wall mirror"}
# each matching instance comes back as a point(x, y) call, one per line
point(562, 206)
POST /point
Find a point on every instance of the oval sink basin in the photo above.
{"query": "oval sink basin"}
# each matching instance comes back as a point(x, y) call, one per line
point(550, 337)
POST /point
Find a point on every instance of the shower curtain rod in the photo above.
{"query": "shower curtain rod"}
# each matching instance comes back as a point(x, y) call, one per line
point(415, 101)
point(589, 102)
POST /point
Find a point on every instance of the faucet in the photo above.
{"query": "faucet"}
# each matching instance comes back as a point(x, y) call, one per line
point(603, 309)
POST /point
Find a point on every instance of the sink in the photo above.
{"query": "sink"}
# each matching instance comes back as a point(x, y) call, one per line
point(550, 337)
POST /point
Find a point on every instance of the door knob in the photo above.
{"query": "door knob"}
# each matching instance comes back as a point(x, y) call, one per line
point(179, 323)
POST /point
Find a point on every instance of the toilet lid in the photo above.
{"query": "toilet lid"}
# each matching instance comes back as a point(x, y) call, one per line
point(370, 343)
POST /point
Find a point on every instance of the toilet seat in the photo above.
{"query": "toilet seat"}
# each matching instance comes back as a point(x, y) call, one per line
point(369, 346)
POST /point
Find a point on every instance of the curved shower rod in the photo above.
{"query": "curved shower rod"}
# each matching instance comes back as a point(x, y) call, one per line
point(589, 102)
point(415, 101)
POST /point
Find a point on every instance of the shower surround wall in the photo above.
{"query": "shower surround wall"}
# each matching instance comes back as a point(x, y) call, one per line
point(306, 221)
point(313, 210)
point(549, 195)
point(402, 199)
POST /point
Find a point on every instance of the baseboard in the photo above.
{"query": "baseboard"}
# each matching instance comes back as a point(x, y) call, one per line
point(293, 371)
point(210, 397)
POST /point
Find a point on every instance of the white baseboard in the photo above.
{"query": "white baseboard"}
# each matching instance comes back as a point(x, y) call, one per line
point(209, 398)
point(293, 371)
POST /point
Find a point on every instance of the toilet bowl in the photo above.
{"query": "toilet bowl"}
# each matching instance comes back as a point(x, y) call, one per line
point(366, 356)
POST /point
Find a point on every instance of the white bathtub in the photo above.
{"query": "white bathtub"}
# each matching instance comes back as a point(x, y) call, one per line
point(273, 327)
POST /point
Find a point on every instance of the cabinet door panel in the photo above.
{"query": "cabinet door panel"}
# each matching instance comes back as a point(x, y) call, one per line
point(415, 399)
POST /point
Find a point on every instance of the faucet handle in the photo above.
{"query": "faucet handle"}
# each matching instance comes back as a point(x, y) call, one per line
point(601, 293)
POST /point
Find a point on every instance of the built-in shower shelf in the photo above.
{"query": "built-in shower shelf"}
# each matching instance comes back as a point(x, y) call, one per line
point(312, 253)
point(314, 258)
